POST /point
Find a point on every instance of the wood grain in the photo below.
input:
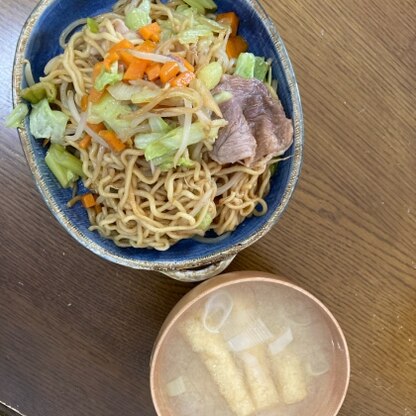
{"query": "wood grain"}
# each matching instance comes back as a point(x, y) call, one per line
point(76, 332)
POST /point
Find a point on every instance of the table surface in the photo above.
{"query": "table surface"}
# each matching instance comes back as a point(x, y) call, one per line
point(76, 333)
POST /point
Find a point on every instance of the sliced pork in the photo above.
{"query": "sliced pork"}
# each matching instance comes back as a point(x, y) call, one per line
point(258, 127)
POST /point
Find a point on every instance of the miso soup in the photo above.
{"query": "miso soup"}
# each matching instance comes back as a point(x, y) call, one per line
point(247, 349)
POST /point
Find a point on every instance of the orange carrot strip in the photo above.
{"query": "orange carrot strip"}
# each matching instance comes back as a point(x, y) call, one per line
point(96, 128)
point(188, 66)
point(95, 96)
point(168, 71)
point(230, 18)
point(98, 208)
point(183, 79)
point(98, 67)
point(185, 63)
point(153, 71)
point(85, 142)
point(84, 103)
point(110, 59)
point(235, 46)
point(146, 46)
point(123, 44)
point(136, 70)
point(112, 140)
point(126, 58)
point(150, 32)
point(88, 200)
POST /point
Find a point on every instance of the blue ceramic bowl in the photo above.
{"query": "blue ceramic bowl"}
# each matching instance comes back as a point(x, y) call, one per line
point(39, 43)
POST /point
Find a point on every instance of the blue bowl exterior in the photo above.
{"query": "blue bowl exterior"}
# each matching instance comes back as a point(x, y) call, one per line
point(39, 43)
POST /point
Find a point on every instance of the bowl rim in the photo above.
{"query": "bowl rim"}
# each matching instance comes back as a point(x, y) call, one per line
point(233, 278)
point(165, 265)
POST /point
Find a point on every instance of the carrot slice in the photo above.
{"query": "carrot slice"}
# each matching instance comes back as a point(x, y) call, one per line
point(88, 200)
point(95, 96)
point(183, 79)
point(185, 63)
point(84, 103)
point(230, 18)
point(235, 46)
point(153, 71)
point(96, 128)
point(85, 142)
point(150, 32)
point(98, 208)
point(98, 67)
point(136, 70)
point(123, 44)
point(146, 46)
point(110, 59)
point(112, 140)
point(168, 71)
point(126, 58)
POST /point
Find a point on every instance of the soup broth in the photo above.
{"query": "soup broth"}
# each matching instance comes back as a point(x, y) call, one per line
point(253, 349)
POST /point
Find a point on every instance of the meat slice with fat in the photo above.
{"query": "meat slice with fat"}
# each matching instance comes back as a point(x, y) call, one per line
point(258, 128)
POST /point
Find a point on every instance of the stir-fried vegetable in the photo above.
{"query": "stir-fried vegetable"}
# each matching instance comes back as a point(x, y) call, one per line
point(261, 68)
point(85, 142)
point(66, 167)
point(92, 25)
point(123, 91)
point(38, 92)
point(136, 70)
point(157, 124)
point(139, 16)
point(230, 19)
point(167, 162)
point(182, 80)
point(245, 65)
point(235, 46)
point(123, 44)
point(211, 74)
point(141, 141)
point(168, 71)
point(206, 222)
point(107, 109)
point(173, 139)
point(107, 78)
point(201, 5)
point(145, 95)
point(112, 140)
point(153, 71)
point(84, 103)
point(88, 200)
point(151, 32)
point(110, 111)
point(46, 123)
point(251, 66)
point(16, 117)
point(192, 35)
point(223, 97)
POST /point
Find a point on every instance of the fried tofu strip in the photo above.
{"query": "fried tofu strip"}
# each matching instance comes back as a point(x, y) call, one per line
point(247, 335)
point(289, 376)
point(221, 365)
point(259, 378)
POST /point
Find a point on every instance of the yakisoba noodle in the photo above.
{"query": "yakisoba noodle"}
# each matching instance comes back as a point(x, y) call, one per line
point(140, 205)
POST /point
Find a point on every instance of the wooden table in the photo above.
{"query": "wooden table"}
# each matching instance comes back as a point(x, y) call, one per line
point(76, 332)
